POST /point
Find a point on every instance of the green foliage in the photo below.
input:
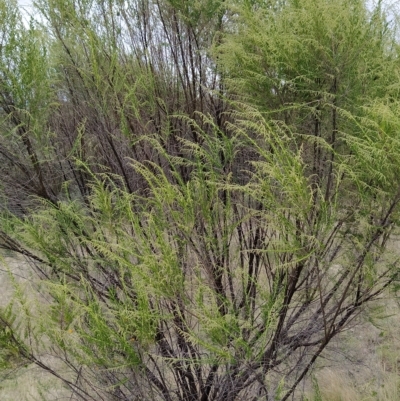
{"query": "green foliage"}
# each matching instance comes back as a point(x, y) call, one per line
point(203, 221)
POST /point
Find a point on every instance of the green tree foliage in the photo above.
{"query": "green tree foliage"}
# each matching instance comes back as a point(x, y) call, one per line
point(205, 190)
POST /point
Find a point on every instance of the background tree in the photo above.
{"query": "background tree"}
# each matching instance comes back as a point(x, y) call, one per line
point(205, 190)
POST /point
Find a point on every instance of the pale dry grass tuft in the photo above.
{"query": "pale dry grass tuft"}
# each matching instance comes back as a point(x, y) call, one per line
point(334, 386)
point(364, 363)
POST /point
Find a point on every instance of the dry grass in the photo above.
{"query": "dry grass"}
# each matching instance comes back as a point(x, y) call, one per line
point(31, 383)
point(25, 382)
point(364, 363)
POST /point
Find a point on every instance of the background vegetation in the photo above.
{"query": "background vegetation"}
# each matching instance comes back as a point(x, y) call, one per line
point(205, 191)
